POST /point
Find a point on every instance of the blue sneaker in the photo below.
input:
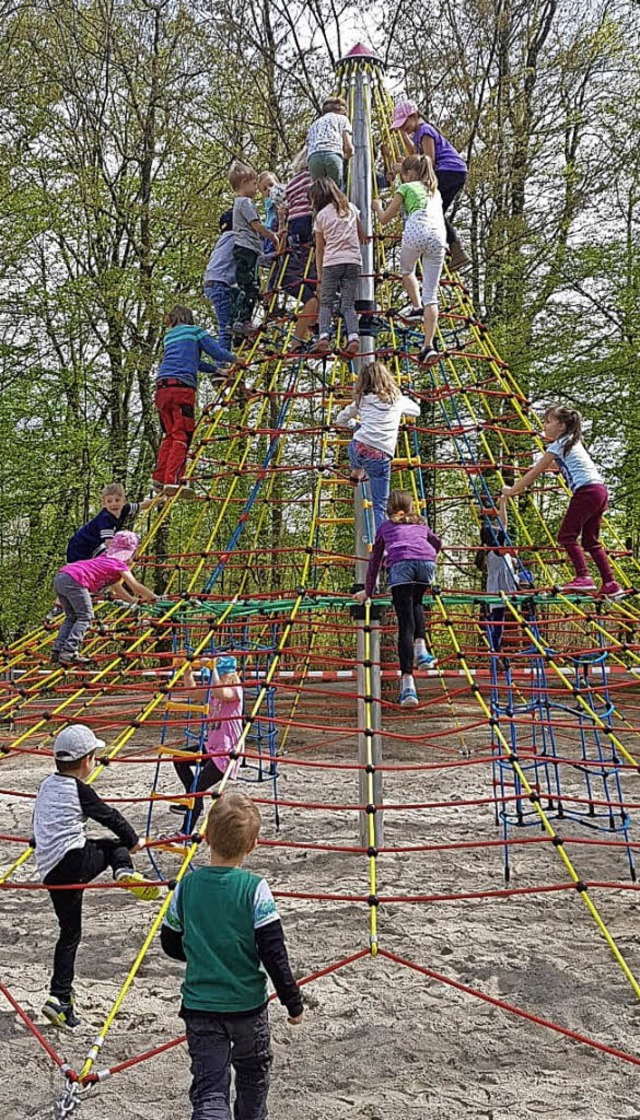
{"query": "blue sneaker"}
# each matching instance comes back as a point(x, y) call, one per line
point(408, 698)
point(426, 661)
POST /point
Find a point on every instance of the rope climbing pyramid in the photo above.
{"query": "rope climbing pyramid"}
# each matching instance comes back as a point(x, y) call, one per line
point(509, 789)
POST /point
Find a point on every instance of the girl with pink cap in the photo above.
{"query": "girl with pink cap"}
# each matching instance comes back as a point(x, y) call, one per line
point(76, 583)
point(451, 170)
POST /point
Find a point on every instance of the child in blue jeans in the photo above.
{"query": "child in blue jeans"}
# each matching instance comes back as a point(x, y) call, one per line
point(380, 406)
point(220, 279)
point(224, 923)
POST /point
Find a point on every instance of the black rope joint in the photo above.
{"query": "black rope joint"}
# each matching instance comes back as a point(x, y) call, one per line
point(581, 887)
point(371, 809)
point(373, 900)
point(369, 768)
point(372, 852)
point(557, 841)
point(534, 797)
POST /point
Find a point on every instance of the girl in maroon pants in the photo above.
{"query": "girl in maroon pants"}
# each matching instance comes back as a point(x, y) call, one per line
point(567, 453)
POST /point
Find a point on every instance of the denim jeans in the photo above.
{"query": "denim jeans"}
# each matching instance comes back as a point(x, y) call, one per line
point(379, 474)
point(222, 298)
point(327, 165)
point(216, 1042)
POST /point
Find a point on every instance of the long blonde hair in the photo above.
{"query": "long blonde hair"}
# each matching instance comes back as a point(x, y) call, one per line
point(377, 379)
point(422, 167)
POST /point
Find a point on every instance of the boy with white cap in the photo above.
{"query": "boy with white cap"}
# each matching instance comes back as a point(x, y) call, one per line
point(64, 855)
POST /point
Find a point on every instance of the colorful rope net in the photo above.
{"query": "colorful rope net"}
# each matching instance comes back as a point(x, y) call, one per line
point(527, 748)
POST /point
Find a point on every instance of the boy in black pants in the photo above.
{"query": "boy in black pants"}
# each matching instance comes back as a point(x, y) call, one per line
point(224, 922)
point(64, 855)
point(248, 232)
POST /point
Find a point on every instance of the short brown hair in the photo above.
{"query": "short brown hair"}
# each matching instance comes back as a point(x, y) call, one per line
point(111, 489)
point(335, 105)
point(239, 173)
point(180, 314)
point(233, 825)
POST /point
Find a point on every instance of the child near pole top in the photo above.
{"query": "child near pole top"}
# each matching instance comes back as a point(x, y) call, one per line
point(566, 451)
point(329, 143)
point(93, 536)
point(380, 406)
point(339, 234)
point(410, 549)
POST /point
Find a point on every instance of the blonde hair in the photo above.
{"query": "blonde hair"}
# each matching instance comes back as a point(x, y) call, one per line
point(335, 105)
point(422, 168)
point(377, 379)
point(233, 825)
point(266, 175)
point(113, 489)
point(299, 161)
point(240, 173)
point(572, 421)
point(400, 508)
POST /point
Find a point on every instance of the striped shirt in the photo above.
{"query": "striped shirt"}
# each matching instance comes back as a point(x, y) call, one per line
point(298, 195)
point(183, 349)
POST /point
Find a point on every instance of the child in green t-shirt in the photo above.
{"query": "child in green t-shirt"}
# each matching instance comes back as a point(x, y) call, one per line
point(224, 923)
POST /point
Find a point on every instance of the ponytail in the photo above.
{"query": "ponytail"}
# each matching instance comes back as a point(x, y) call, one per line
point(422, 167)
point(572, 421)
point(400, 508)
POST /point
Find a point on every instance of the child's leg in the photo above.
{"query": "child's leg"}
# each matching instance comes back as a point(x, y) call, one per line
point(185, 773)
point(78, 615)
point(409, 257)
point(209, 1043)
point(432, 262)
point(348, 292)
point(208, 776)
point(591, 536)
point(223, 302)
point(496, 627)
point(402, 595)
point(179, 419)
point(579, 510)
point(412, 288)
point(251, 1058)
point(379, 474)
point(247, 280)
point(328, 291)
point(69, 614)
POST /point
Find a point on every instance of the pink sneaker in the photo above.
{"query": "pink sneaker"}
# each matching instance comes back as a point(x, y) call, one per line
point(612, 590)
point(580, 583)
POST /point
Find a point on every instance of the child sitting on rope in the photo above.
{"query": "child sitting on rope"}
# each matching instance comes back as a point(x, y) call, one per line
point(247, 247)
point(410, 549)
point(329, 143)
point(76, 583)
point(377, 409)
point(589, 498)
point(224, 923)
point(224, 723)
point(424, 239)
point(64, 855)
point(116, 510)
point(339, 234)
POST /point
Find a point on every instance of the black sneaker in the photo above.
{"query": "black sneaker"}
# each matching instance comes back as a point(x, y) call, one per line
point(428, 355)
point(411, 312)
point(61, 1014)
point(55, 656)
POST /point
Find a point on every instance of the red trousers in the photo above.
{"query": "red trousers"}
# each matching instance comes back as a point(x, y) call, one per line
point(176, 405)
point(583, 519)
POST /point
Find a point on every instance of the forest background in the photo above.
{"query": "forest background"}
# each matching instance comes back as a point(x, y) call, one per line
point(119, 121)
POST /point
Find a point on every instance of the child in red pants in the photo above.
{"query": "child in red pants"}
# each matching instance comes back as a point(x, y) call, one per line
point(566, 451)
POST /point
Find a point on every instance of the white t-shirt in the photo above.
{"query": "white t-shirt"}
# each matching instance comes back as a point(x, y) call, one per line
point(578, 469)
point(379, 422)
point(325, 134)
point(341, 242)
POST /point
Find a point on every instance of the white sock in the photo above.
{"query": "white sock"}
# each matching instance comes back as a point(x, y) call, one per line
point(408, 681)
point(420, 645)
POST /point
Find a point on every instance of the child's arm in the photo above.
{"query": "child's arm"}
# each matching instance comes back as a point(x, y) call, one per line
point(320, 243)
point(171, 929)
point(215, 350)
point(272, 951)
point(428, 147)
point(544, 462)
point(392, 211)
point(347, 145)
point(503, 511)
point(139, 590)
point(409, 406)
point(363, 236)
point(259, 227)
point(94, 807)
point(346, 414)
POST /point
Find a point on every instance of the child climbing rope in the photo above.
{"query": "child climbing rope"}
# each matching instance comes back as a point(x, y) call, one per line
point(224, 923)
point(76, 583)
point(220, 279)
point(377, 409)
point(176, 386)
point(224, 723)
point(411, 548)
point(247, 249)
point(566, 451)
point(500, 573)
point(300, 278)
point(329, 143)
point(339, 234)
point(424, 239)
point(274, 198)
point(116, 510)
point(64, 855)
point(450, 168)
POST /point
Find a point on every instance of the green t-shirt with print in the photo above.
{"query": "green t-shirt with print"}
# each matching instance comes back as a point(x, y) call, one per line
point(415, 196)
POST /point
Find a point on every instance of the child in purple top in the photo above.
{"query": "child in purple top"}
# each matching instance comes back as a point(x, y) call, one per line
point(411, 550)
point(450, 168)
point(75, 583)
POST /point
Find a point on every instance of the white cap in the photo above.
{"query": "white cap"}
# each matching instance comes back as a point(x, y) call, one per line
point(75, 742)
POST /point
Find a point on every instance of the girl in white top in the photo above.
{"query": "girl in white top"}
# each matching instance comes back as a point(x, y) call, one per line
point(338, 233)
point(589, 497)
point(424, 239)
point(379, 406)
point(329, 142)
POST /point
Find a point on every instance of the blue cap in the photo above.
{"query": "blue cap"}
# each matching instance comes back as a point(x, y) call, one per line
point(226, 664)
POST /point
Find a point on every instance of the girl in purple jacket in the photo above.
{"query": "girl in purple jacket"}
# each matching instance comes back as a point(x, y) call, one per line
point(411, 550)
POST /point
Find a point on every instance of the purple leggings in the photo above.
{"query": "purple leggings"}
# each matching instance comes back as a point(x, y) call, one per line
point(584, 518)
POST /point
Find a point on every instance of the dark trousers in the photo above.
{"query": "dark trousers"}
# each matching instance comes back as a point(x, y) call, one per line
point(216, 1042)
point(495, 620)
point(584, 518)
point(246, 262)
point(208, 775)
point(407, 600)
point(176, 406)
point(450, 183)
point(81, 865)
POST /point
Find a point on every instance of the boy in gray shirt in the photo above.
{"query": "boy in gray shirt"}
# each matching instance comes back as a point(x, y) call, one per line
point(248, 231)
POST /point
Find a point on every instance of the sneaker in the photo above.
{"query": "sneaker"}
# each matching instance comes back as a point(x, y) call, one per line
point(612, 590)
point(580, 583)
point(426, 661)
point(174, 807)
point(55, 656)
point(411, 312)
point(74, 659)
point(61, 1014)
point(428, 355)
point(156, 486)
point(137, 884)
point(245, 329)
point(408, 698)
point(458, 260)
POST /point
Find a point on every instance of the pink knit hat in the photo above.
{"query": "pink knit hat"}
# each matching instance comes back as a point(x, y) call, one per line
point(123, 545)
point(403, 110)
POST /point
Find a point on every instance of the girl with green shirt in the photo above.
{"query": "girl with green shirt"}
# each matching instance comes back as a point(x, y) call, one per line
point(424, 239)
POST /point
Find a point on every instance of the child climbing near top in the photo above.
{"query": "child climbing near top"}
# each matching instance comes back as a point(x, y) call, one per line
point(329, 143)
point(223, 921)
point(64, 855)
point(410, 549)
point(339, 234)
point(93, 537)
point(274, 198)
point(589, 498)
point(220, 279)
point(176, 385)
point(247, 249)
point(377, 409)
point(224, 696)
point(75, 583)
point(424, 239)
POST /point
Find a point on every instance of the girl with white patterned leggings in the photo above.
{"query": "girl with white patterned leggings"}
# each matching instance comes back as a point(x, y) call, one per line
point(424, 239)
